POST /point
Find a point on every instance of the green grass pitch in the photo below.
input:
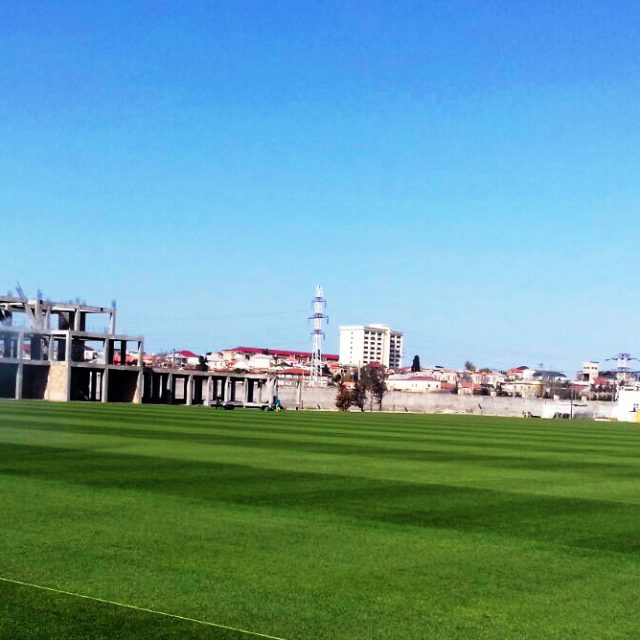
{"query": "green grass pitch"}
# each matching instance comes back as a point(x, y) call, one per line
point(312, 526)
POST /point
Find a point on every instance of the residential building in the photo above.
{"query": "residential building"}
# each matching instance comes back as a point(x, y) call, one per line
point(590, 371)
point(264, 359)
point(416, 383)
point(362, 344)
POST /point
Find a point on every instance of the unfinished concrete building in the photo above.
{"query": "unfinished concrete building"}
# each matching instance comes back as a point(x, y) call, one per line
point(208, 388)
point(56, 351)
point(64, 351)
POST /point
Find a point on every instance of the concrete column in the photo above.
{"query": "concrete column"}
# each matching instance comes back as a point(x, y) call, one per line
point(299, 394)
point(108, 351)
point(245, 390)
point(19, 354)
point(170, 386)
point(104, 397)
point(137, 397)
point(158, 386)
point(67, 348)
point(207, 398)
point(112, 321)
point(226, 394)
point(123, 352)
point(189, 390)
point(19, 375)
point(67, 359)
point(79, 321)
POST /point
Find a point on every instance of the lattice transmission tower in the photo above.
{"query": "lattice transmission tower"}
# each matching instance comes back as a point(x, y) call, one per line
point(318, 305)
point(624, 372)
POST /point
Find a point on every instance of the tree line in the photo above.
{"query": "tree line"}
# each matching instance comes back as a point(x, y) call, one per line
point(368, 384)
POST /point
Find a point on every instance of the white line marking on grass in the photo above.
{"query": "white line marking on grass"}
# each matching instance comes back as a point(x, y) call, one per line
point(143, 609)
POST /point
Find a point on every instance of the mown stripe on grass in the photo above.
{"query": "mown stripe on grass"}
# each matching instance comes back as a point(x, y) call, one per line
point(513, 457)
point(572, 522)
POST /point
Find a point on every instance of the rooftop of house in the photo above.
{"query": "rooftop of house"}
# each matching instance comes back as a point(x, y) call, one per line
point(283, 353)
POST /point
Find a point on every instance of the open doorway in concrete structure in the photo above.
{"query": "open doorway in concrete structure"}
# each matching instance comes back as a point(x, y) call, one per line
point(122, 385)
point(198, 389)
point(90, 351)
point(179, 390)
point(57, 349)
point(86, 384)
point(9, 347)
point(157, 387)
point(34, 381)
point(34, 346)
point(8, 375)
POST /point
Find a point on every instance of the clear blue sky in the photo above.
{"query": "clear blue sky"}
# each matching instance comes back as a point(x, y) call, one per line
point(468, 172)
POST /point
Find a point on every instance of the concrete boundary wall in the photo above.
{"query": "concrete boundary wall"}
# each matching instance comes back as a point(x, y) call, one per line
point(324, 398)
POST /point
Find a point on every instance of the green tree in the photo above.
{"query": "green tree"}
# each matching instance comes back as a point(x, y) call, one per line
point(359, 391)
point(469, 366)
point(373, 378)
point(415, 365)
point(343, 398)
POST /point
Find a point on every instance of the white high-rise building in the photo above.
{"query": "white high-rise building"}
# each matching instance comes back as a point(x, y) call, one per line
point(362, 344)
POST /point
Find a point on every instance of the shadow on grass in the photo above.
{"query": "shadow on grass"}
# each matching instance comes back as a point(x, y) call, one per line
point(32, 614)
point(556, 520)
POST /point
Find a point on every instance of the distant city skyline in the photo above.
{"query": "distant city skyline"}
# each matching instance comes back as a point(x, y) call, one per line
point(153, 338)
point(465, 172)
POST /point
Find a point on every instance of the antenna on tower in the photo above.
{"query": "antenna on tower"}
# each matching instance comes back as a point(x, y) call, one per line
point(318, 305)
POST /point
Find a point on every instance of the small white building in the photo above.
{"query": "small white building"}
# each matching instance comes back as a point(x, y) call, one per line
point(590, 371)
point(415, 383)
point(628, 406)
